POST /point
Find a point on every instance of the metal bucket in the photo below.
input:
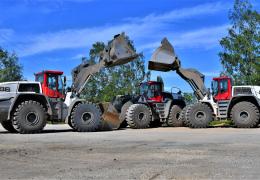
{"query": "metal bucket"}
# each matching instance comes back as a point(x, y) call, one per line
point(164, 58)
point(120, 51)
point(112, 117)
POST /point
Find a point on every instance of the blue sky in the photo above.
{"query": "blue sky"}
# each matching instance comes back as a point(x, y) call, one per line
point(55, 34)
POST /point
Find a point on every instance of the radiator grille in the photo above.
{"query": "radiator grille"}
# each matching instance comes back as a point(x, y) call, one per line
point(242, 90)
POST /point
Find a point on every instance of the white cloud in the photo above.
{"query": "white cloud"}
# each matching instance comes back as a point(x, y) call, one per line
point(203, 9)
point(200, 38)
point(5, 35)
point(58, 1)
point(205, 37)
point(211, 74)
point(145, 31)
point(78, 56)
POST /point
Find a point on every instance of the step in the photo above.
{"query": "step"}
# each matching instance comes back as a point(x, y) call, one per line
point(222, 109)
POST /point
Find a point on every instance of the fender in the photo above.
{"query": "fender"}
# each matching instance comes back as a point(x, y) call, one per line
point(239, 98)
point(20, 97)
point(4, 108)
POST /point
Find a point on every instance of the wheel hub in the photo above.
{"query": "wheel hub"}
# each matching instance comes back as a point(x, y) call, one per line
point(32, 118)
point(177, 115)
point(141, 116)
point(200, 116)
point(87, 117)
point(244, 115)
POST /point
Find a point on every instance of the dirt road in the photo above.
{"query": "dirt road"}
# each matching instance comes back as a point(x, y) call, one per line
point(161, 153)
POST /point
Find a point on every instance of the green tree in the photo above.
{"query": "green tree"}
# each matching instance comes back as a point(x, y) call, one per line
point(240, 56)
point(189, 98)
point(10, 69)
point(256, 76)
point(118, 80)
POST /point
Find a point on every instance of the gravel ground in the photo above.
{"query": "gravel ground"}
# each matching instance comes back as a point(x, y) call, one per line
point(160, 153)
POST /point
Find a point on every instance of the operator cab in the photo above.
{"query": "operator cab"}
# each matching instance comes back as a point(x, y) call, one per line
point(52, 83)
point(222, 88)
point(152, 90)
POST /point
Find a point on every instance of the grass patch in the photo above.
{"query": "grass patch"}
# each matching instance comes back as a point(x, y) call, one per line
point(221, 123)
point(55, 122)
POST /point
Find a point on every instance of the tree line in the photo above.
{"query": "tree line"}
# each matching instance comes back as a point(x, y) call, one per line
point(240, 58)
point(10, 69)
point(118, 80)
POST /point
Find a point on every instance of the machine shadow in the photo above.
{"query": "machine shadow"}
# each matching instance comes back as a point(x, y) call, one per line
point(50, 131)
point(44, 131)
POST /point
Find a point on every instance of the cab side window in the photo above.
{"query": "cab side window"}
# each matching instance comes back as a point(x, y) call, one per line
point(223, 86)
point(60, 85)
point(39, 78)
point(52, 82)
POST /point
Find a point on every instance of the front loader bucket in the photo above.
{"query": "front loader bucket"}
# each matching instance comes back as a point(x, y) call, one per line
point(112, 112)
point(164, 58)
point(119, 51)
point(110, 117)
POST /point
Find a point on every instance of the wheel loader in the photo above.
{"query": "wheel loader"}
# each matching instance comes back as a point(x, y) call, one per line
point(151, 107)
point(241, 104)
point(25, 106)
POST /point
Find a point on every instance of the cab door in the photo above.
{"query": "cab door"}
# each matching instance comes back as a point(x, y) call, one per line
point(155, 93)
point(224, 90)
point(52, 86)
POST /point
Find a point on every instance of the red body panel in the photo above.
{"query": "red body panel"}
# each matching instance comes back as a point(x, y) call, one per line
point(157, 99)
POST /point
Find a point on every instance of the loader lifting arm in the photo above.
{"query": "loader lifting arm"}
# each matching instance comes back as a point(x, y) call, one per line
point(117, 52)
point(195, 80)
point(165, 59)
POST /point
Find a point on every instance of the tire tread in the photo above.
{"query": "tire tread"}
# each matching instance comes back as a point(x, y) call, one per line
point(15, 122)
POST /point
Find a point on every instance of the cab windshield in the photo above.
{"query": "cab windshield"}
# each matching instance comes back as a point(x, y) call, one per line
point(214, 88)
point(52, 81)
point(39, 78)
point(150, 90)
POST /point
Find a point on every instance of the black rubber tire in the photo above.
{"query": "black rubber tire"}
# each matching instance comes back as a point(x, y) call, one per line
point(69, 123)
point(182, 116)
point(199, 115)
point(122, 116)
point(174, 117)
point(139, 116)
point(80, 117)
point(245, 115)
point(25, 111)
point(7, 125)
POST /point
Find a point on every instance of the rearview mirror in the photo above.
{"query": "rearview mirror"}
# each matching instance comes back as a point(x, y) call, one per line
point(68, 89)
point(64, 80)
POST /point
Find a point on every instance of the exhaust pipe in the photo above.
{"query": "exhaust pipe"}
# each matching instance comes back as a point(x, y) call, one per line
point(164, 58)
